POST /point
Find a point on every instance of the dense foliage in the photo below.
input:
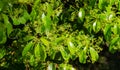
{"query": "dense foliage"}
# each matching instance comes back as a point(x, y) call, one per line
point(54, 34)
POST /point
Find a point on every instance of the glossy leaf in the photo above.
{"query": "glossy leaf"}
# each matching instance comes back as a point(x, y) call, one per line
point(81, 14)
point(94, 54)
point(27, 48)
point(43, 53)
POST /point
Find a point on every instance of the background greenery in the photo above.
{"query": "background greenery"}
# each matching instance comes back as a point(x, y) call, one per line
point(59, 34)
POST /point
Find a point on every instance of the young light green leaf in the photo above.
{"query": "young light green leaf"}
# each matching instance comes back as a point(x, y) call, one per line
point(27, 48)
point(94, 55)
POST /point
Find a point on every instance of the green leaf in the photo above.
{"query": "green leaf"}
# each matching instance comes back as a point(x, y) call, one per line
point(96, 26)
point(49, 10)
point(3, 37)
point(51, 66)
point(52, 53)
point(107, 32)
point(7, 24)
point(27, 48)
point(119, 6)
point(15, 21)
point(40, 52)
point(26, 15)
point(33, 15)
point(71, 47)
point(112, 2)
point(114, 40)
point(22, 20)
point(115, 29)
point(2, 53)
point(32, 60)
point(43, 53)
point(81, 14)
point(37, 51)
point(94, 55)
point(64, 53)
point(47, 22)
point(100, 4)
point(45, 41)
point(113, 43)
point(82, 56)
